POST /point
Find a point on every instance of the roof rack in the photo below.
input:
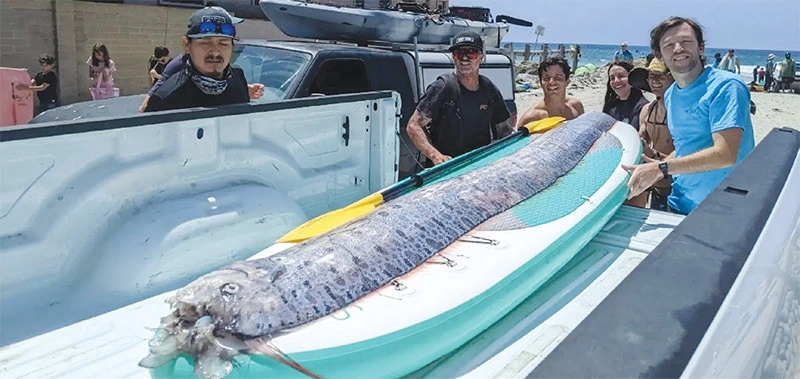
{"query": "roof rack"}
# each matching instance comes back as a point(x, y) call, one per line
point(401, 46)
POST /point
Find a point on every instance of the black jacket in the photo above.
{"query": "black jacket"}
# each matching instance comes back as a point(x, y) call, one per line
point(179, 92)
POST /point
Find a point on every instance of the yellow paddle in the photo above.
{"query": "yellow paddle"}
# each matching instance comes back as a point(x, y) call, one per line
point(336, 217)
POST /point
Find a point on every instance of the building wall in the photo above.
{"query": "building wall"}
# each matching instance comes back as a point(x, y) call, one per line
point(27, 30)
point(67, 29)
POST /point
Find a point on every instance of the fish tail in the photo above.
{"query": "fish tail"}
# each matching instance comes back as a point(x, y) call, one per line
point(265, 346)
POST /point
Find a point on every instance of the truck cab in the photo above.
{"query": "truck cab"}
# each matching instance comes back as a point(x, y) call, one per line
point(301, 69)
point(304, 69)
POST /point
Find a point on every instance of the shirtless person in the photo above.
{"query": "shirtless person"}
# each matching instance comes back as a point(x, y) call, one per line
point(554, 79)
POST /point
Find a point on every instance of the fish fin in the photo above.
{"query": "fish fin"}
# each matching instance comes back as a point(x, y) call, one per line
point(265, 346)
point(156, 360)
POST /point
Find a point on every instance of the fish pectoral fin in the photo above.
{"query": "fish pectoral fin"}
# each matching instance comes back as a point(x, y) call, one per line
point(156, 360)
point(265, 346)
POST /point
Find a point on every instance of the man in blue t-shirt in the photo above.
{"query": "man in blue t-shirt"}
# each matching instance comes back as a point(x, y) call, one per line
point(708, 117)
point(623, 54)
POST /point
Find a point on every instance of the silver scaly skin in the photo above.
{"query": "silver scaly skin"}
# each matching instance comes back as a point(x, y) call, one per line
point(216, 313)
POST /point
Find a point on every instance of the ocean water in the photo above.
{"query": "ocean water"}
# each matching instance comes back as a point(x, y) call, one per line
point(602, 54)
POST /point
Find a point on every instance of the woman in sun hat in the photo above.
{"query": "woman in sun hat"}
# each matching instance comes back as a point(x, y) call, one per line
point(653, 129)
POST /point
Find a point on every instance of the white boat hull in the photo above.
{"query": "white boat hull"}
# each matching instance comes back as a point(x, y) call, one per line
point(314, 21)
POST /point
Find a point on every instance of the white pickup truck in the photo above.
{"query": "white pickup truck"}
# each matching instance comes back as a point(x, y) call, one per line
point(101, 218)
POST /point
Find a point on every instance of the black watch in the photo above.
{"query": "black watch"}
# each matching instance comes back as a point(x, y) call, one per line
point(664, 168)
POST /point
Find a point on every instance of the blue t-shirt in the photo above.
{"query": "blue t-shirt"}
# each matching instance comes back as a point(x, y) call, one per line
point(623, 56)
point(715, 101)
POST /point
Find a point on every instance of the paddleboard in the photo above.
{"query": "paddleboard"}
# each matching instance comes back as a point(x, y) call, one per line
point(453, 296)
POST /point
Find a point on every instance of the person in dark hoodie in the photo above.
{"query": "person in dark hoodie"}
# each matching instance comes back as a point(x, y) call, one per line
point(622, 101)
point(208, 79)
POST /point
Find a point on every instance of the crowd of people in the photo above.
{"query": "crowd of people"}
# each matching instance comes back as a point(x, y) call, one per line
point(203, 76)
point(694, 132)
point(773, 76)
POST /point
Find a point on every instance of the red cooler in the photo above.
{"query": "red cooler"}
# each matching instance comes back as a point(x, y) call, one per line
point(16, 106)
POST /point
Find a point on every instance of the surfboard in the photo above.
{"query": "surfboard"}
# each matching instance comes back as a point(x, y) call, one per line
point(456, 294)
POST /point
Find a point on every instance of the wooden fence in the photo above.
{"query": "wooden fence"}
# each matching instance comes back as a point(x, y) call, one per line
point(528, 54)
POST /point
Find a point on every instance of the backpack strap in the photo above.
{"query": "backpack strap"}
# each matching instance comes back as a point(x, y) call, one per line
point(491, 94)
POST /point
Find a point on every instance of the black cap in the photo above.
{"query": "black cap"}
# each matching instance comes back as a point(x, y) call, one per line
point(467, 39)
point(215, 14)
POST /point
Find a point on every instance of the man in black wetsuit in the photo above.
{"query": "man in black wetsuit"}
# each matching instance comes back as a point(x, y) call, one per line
point(460, 111)
point(208, 80)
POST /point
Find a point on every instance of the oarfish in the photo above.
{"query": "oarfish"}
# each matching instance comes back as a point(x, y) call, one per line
point(239, 308)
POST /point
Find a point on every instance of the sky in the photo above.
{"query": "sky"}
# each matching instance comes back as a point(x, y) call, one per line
point(743, 24)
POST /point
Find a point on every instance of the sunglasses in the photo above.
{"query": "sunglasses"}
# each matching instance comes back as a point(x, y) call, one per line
point(471, 54)
point(211, 27)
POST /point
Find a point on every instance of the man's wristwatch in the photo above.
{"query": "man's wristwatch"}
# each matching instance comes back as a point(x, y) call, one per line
point(664, 168)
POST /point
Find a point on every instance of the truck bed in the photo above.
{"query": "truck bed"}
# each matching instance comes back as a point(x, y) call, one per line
point(111, 345)
point(716, 296)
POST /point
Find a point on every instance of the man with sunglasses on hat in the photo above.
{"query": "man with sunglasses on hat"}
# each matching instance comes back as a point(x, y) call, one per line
point(460, 111)
point(208, 79)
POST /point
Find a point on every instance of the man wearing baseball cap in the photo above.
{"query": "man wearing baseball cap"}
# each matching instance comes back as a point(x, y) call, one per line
point(623, 54)
point(461, 110)
point(208, 79)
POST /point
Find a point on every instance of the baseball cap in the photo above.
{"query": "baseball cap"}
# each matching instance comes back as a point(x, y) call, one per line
point(467, 39)
point(212, 22)
point(638, 76)
point(624, 44)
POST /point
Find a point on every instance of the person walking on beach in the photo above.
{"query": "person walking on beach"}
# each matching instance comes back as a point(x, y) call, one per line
point(717, 59)
point(101, 72)
point(770, 69)
point(554, 80)
point(708, 115)
point(460, 111)
point(788, 71)
point(208, 79)
point(755, 74)
point(730, 63)
point(45, 84)
point(623, 54)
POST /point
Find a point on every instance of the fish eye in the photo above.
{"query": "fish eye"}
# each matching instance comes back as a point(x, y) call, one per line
point(229, 288)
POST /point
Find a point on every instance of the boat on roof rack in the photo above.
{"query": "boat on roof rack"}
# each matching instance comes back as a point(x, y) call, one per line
point(404, 25)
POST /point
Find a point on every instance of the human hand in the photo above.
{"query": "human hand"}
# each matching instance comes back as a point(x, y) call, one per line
point(439, 158)
point(256, 90)
point(643, 176)
point(647, 149)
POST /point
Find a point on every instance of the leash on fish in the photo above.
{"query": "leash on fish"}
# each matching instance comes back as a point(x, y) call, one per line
point(481, 240)
point(447, 261)
point(266, 347)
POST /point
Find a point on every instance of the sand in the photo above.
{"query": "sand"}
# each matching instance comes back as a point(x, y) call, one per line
point(774, 110)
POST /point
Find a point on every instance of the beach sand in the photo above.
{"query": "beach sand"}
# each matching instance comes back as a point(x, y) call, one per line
point(774, 110)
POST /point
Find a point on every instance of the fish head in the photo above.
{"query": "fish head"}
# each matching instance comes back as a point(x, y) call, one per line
point(240, 299)
point(213, 317)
